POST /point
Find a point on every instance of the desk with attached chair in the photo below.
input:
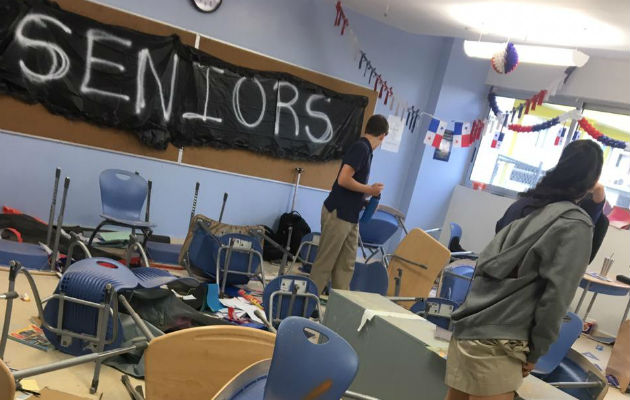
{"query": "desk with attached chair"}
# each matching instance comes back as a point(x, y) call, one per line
point(394, 339)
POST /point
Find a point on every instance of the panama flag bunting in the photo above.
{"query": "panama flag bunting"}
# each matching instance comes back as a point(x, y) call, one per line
point(497, 140)
point(560, 135)
point(461, 134)
point(435, 133)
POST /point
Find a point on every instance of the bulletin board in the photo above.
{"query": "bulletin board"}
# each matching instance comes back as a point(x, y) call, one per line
point(37, 121)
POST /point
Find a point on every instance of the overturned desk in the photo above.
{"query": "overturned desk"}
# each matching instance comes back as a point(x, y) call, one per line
point(399, 356)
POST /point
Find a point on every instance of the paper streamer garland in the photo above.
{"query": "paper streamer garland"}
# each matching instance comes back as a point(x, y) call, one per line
point(600, 137)
point(538, 99)
point(534, 128)
point(506, 60)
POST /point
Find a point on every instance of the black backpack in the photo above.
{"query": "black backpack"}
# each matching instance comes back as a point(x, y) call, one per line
point(300, 229)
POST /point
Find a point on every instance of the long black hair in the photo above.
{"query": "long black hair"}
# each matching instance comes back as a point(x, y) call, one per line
point(577, 171)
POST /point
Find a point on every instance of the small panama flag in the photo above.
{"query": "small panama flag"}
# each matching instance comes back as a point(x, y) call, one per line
point(560, 135)
point(461, 134)
point(497, 140)
point(435, 133)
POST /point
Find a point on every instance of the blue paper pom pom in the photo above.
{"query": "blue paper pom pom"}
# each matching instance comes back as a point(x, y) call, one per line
point(511, 58)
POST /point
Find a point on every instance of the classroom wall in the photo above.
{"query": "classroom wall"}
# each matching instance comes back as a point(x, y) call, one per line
point(299, 32)
point(461, 98)
point(477, 213)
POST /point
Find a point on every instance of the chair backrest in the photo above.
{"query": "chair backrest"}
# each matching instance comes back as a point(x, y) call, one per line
point(195, 363)
point(420, 248)
point(7, 383)
point(456, 231)
point(435, 310)
point(379, 229)
point(456, 282)
point(123, 194)
point(301, 369)
point(303, 303)
point(308, 247)
point(241, 261)
point(570, 330)
point(203, 251)
point(371, 278)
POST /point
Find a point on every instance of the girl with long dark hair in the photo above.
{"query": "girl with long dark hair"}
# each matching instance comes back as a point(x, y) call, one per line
point(525, 279)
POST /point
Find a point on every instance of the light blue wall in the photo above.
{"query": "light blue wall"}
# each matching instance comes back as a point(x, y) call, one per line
point(296, 31)
point(462, 97)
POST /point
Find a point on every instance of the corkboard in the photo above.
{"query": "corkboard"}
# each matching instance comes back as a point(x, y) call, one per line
point(37, 121)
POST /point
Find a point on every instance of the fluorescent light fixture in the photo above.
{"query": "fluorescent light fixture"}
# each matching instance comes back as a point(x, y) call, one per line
point(528, 53)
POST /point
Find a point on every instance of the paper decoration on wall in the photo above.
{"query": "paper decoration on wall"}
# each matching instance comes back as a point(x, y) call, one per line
point(435, 132)
point(167, 92)
point(443, 150)
point(384, 88)
point(464, 134)
point(461, 134)
point(394, 136)
point(505, 60)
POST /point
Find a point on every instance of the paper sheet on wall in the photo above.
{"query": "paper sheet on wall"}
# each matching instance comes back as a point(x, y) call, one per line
point(394, 137)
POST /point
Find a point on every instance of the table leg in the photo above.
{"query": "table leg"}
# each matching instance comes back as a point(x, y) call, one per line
point(590, 305)
point(577, 309)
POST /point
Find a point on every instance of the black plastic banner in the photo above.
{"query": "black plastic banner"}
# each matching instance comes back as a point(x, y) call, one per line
point(165, 91)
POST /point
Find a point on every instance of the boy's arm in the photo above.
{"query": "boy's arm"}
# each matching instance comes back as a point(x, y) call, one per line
point(347, 181)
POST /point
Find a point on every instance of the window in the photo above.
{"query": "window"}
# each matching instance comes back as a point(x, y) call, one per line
point(522, 158)
point(616, 171)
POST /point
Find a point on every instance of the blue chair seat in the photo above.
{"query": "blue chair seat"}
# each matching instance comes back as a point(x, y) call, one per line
point(166, 253)
point(30, 255)
point(129, 222)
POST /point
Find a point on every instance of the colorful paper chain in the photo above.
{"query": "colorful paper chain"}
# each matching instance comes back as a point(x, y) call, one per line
point(583, 122)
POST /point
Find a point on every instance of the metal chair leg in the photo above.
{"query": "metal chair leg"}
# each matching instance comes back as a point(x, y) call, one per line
point(93, 235)
point(103, 319)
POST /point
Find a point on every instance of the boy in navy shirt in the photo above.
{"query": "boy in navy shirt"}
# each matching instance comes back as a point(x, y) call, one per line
point(337, 250)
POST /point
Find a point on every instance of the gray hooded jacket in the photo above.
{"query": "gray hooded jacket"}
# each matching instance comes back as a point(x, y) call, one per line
point(526, 278)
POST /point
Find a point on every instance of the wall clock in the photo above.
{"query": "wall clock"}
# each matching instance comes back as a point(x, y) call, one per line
point(207, 6)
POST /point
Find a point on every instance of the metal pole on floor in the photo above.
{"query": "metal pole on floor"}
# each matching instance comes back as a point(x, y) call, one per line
point(53, 205)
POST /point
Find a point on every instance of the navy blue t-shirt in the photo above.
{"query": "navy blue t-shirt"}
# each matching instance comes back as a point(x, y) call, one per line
point(348, 203)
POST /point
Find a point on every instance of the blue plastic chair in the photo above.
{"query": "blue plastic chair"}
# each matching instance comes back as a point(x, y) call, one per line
point(167, 253)
point(456, 231)
point(377, 231)
point(86, 280)
point(371, 278)
point(123, 194)
point(301, 369)
point(209, 255)
point(569, 332)
point(456, 282)
point(30, 255)
point(307, 252)
point(280, 301)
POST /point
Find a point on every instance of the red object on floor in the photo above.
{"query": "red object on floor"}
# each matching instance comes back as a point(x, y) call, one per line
point(619, 217)
point(11, 210)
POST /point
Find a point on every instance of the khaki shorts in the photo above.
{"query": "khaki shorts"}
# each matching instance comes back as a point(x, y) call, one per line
point(485, 367)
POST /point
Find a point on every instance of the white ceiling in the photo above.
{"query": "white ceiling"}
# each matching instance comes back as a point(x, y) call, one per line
point(597, 27)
